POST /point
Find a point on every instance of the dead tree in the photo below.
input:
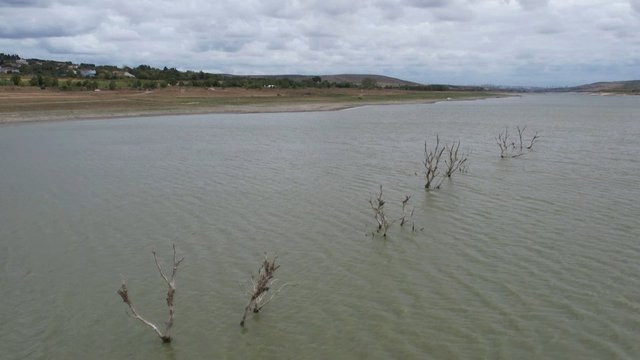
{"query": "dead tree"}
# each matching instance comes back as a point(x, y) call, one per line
point(431, 162)
point(456, 160)
point(405, 201)
point(503, 143)
point(403, 219)
point(377, 206)
point(261, 285)
point(510, 148)
point(533, 140)
point(171, 282)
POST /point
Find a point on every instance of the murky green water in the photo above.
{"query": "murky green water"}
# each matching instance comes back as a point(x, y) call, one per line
point(535, 257)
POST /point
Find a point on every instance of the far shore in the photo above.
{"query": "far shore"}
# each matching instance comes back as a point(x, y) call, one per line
point(21, 105)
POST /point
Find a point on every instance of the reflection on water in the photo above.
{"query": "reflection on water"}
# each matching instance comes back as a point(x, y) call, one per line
point(535, 257)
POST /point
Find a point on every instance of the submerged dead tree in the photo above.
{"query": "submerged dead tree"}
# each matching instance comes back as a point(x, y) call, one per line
point(405, 201)
point(403, 219)
point(510, 148)
point(431, 162)
point(164, 334)
point(377, 206)
point(456, 160)
point(261, 284)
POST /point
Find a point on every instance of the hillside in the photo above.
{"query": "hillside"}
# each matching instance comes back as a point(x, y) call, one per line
point(352, 79)
point(631, 87)
point(358, 79)
point(143, 75)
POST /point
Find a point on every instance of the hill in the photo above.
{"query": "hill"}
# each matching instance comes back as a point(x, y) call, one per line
point(627, 87)
point(344, 79)
point(379, 79)
point(144, 75)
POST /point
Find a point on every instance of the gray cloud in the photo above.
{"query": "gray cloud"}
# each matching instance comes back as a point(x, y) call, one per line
point(24, 3)
point(537, 42)
point(427, 3)
point(533, 4)
point(37, 22)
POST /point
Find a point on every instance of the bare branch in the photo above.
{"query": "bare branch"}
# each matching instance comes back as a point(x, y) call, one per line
point(431, 162)
point(273, 295)
point(502, 140)
point(377, 206)
point(405, 201)
point(155, 257)
point(520, 133)
point(260, 287)
point(509, 148)
point(124, 294)
point(533, 140)
point(456, 160)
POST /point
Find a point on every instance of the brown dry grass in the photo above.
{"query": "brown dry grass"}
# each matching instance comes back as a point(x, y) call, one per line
point(19, 104)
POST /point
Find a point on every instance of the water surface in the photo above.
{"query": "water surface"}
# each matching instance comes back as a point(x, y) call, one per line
point(534, 257)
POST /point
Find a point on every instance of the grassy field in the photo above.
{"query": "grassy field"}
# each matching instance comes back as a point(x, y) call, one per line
point(19, 104)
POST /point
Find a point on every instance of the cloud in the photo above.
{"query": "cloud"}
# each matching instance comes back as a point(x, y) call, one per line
point(18, 23)
point(444, 41)
point(427, 3)
point(533, 4)
point(23, 3)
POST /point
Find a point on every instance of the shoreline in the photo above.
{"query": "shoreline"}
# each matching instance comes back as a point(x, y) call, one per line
point(66, 111)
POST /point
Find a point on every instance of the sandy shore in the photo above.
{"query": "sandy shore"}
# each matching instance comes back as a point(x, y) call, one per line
point(20, 105)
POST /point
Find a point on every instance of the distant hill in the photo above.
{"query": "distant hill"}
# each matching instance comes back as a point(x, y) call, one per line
point(353, 79)
point(65, 69)
point(631, 87)
point(358, 79)
point(68, 76)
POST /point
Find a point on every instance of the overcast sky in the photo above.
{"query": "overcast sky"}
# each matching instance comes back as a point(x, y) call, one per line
point(510, 42)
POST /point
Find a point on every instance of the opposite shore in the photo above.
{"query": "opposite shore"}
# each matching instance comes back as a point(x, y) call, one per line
point(20, 105)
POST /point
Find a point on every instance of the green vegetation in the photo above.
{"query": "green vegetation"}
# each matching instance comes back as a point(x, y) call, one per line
point(67, 76)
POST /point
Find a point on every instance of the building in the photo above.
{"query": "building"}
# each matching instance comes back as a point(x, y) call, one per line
point(87, 73)
point(8, 70)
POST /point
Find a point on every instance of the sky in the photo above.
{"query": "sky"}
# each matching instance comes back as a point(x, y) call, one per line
point(465, 42)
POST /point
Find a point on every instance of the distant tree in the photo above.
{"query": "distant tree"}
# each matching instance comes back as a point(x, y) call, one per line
point(150, 85)
point(37, 81)
point(369, 83)
point(49, 82)
point(112, 85)
point(343, 84)
point(8, 57)
point(316, 79)
point(90, 85)
point(67, 85)
point(16, 80)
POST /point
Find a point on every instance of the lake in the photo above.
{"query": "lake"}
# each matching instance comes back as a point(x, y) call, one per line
point(532, 257)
